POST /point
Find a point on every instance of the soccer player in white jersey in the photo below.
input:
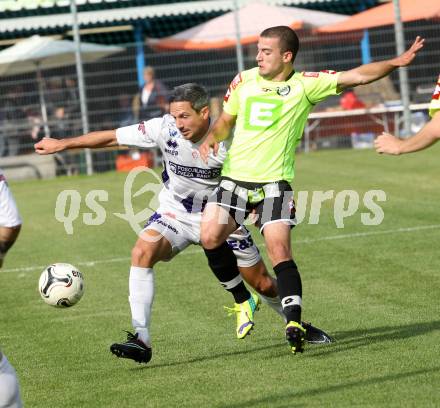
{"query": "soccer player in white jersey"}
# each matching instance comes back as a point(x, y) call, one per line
point(268, 106)
point(10, 224)
point(9, 388)
point(10, 221)
point(188, 181)
point(425, 137)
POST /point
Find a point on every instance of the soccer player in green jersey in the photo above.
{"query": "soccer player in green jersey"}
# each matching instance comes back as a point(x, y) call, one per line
point(269, 105)
point(427, 136)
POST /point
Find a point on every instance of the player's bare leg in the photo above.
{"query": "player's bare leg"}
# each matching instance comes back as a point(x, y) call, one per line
point(258, 277)
point(277, 238)
point(150, 248)
point(8, 235)
point(216, 226)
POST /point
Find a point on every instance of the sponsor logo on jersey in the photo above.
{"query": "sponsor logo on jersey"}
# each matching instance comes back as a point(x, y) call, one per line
point(141, 128)
point(194, 172)
point(153, 218)
point(171, 152)
point(329, 71)
point(227, 95)
point(172, 144)
point(283, 90)
point(172, 131)
point(156, 219)
point(436, 94)
point(310, 74)
point(235, 82)
point(262, 113)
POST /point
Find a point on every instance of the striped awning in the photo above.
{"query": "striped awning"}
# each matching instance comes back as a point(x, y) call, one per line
point(111, 16)
point(17, 5)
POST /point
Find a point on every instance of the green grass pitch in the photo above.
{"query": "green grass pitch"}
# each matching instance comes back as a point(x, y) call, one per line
point(375, 288)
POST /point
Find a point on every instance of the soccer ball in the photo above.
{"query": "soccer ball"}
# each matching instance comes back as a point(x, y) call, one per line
point(61, 285)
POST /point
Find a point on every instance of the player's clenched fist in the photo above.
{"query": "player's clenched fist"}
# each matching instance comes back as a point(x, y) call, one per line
point(48, 146)
point(388, 144)
point(206, 147)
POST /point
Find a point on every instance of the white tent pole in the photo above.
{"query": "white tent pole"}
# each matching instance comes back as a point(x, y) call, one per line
point(80, 74)
point(42, 100)
point(238, 47)
point(403, 72)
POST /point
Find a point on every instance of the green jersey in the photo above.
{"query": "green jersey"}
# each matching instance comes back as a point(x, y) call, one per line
point(270, 122)
point(434, 107)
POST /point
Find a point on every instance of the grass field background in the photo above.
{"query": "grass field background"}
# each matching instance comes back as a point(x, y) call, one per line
point(375, 288)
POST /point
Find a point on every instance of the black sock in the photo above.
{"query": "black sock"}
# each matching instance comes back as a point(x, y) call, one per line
point(223, 263)
point(4, 246)
point(289, 289)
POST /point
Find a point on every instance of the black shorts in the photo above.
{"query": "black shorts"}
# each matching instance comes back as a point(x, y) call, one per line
point(270, 202)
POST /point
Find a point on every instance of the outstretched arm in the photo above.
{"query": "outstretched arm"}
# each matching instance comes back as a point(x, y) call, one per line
point(426, 137)
point(220, 131)
point(367, 73)
point(104, 138)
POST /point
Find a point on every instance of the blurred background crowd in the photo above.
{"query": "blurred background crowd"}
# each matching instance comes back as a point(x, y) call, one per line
point(162, 44)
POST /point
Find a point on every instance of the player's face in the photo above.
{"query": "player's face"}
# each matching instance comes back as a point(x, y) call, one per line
point(271, 61)
point(191, 124)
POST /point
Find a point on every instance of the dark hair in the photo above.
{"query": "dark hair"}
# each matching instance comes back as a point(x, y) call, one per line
point(287, 37)
point(193, 93)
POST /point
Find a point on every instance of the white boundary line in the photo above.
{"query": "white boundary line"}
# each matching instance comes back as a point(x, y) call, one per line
point(194, 251)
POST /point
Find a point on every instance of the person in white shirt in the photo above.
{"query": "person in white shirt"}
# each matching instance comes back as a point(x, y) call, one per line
point(10, 220)
point(151, 100)
point(187, 183)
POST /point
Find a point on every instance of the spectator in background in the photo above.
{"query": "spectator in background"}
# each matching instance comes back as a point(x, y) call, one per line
point(35, 122)
point(14, 122)
point(350, 101)
point(56, 99)
point(152, 99)
point(64, 117)
point(63, 108)
point(124, 114)
point(3, 146)
point(72, 109)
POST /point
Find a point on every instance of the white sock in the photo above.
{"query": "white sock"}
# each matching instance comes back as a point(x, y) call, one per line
point(274, 303)
point(141, 287)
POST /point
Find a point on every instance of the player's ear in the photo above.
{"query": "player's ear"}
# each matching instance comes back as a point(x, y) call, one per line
point(287, 56)
point(204, 112)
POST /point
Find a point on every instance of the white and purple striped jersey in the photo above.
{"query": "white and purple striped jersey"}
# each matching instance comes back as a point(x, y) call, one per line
point(188, 180)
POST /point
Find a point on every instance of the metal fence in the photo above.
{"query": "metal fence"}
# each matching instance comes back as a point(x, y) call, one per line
point(113, 93)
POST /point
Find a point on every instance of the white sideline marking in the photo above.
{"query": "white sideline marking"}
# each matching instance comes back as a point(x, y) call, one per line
point(194, 251)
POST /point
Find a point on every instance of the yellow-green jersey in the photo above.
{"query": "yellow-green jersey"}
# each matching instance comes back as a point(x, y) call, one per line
point(270, 122)
point(434, 106)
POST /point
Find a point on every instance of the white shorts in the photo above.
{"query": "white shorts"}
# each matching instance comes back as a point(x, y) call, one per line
point(9, 390)
point(182, 230)
point(9, 215)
